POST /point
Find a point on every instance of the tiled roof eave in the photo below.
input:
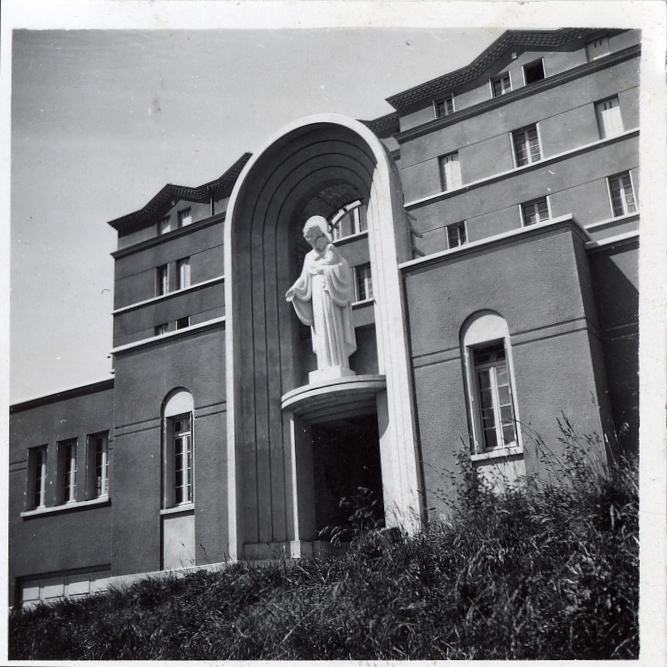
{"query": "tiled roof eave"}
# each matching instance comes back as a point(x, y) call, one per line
point(510, 39)
point(202, 193)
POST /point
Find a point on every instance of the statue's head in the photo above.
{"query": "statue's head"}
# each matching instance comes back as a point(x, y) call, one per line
point(316, 229)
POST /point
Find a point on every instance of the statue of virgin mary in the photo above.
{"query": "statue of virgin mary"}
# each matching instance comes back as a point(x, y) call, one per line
point(322, 298)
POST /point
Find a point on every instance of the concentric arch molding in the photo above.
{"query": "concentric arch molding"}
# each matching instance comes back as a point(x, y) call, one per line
point(346, 397)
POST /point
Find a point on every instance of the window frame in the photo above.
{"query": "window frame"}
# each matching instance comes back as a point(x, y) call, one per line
point(607, 130)
point(486, 330)
point(515, 137)
point(524, 205)
point(457, 225)
point(67, 469)
point(457, 181)
point(183, 279)
point(182, 323)
point(539, 61)
point(610, 191)
point(363, 282)
point(162, 280)
point(182, 215)
point(499, 78)
point(37, 477)
point(93, 439)
point(186, 483)
point(447, 101)
point(163, 228)
point(349, 220)
point(605, 42)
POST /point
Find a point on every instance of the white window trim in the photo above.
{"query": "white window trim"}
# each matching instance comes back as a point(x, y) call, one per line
point(444, 185)
point(599, 117)
point(539, 144)
point(355, 275)
point(90, 466)
point(443, 99)
point(533, 62)
point(532, 201)
point(178, 405)
point(61, 471)
point(611, 198)
point(500, 76)
point(159, 282)
point(32, 478)
point(465, 231)
point(486, 329)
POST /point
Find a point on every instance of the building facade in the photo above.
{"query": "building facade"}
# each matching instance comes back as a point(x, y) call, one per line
point(492, 225)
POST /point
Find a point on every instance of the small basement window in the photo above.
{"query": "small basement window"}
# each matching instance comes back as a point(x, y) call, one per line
point(533, 72)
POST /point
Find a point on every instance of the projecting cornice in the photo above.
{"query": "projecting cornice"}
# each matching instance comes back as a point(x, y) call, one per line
point(385, 126)
point(512, 39)
point(219, 187)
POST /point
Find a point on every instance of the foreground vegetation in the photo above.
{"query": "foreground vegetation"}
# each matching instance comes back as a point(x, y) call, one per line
point(549, 571)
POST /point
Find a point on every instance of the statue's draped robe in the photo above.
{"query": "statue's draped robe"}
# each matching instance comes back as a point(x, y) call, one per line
point(322, 300)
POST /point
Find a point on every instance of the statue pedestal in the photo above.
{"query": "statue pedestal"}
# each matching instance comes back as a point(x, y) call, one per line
point(331, 373)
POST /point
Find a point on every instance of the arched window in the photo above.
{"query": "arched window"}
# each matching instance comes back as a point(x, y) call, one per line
point(349, 220)
point(490, 383)
point(178, 464)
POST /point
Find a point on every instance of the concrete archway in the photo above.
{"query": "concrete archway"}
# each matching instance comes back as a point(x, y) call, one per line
point(310, 167)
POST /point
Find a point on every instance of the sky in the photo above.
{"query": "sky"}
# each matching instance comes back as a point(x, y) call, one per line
point(151, 93)
point(102, 120)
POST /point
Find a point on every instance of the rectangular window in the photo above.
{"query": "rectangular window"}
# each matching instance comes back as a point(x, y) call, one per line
point(533, 72)
point(450, 171)
point(444, 107)
point(350, 219)
point(363, 282)
point(501, 84)
point(37, 477)
point(164, 225)
point(359, 220)
point(456, 235)
point(597, 48)
point(97, 477)
point(535, 211)
point(185, 217)
point(179, 460)
point(183, 273)
point(494, 396)
point(526, 146)
point(161, 329)
point(183, 322)
point(162, 280)
point(67, 471)
point(608, 113)
point(622, 194)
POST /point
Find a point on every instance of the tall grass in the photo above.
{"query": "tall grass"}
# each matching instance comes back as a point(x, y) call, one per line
point(545, 570)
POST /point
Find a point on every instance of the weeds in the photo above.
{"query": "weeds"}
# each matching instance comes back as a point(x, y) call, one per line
point(546, 570)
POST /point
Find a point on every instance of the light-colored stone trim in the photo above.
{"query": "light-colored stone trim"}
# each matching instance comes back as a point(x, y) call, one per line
point(165, 297)
point(517, 171)
point(56, 509)
point(169, 334)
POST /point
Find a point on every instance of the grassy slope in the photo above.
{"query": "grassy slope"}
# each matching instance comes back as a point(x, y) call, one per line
point(551, 572)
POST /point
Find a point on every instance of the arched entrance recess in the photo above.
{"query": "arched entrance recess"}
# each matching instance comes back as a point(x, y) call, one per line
point(308, 168)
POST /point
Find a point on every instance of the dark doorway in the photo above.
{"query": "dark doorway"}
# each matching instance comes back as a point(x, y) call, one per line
point(346, 462)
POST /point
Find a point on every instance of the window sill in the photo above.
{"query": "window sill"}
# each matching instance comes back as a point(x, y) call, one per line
point(351, 237)
point(507, 453)
point(67, 507)
point(364, 302)
point(178, 509)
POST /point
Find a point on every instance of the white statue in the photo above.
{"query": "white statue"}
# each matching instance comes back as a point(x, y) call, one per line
point(322, 298)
